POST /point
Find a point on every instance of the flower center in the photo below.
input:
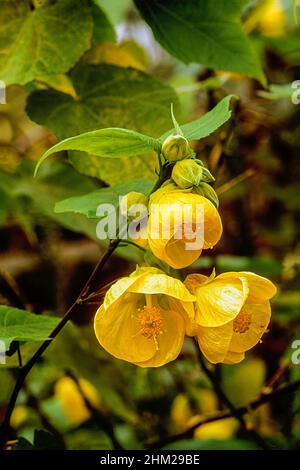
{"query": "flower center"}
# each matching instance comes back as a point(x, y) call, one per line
point(151, 322)
point(242, 322)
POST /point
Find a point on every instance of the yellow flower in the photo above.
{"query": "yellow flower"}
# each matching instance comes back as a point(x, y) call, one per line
point(269, 17)
point(218, 430)
point(232, 313)
point(176, 232)
point(72, 401)
point(143, 317)
point(19, 416)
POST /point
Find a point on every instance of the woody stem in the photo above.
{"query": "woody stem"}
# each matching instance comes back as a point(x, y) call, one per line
point(236, 413)
point(24, 371)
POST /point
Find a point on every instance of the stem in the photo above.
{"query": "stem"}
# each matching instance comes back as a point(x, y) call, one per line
point(227, 402)
point(252, 406)
point(27, 368)
point(84, 294)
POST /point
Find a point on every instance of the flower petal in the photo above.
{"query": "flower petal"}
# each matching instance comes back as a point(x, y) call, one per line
point(258, 316)
point(118, 331)
point(220, 301)
point(187, 311)
point(233, 357)
point(162, 284)
point(169, 342)
point(214, 342)
point(260, 288)
point(178, 256)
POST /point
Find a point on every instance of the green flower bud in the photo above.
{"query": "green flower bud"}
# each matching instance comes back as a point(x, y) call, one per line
point(131, 199)
point(176, 147)
point(207, 191)
point(187, 173)
point(207, 177)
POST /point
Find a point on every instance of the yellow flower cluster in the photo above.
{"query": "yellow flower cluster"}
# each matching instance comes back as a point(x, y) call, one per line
point(145, 317)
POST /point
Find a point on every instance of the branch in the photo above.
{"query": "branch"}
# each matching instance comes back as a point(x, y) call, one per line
point(27, 368)
point(225, 400)
point(243, 410)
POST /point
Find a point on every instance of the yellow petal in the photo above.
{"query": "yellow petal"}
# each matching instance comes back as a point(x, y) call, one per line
point(161, 284)
point(187, 311)
point(193, 281)
point(163, 238)
point(214, 342)
point(219, 430)
point(260, 288)
point(169, 342)
point(233, 358)
point(117, 290)
point(220, 301)
point(212, 225)
point(119, 332)
point(249, 326)
point(177, 255)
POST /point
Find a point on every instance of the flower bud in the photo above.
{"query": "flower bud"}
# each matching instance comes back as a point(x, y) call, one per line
point(132, 199)
point(176, 147)
point(207, 177)
point(207, 191)
point(187, 173)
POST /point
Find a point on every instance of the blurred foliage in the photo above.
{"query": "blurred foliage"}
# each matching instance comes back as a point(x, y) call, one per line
point(110, 71)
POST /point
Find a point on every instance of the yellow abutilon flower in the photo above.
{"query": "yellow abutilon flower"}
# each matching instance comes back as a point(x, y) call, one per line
point(72, 400)
point(143, 318)
point(178, 209)
point(231, 315)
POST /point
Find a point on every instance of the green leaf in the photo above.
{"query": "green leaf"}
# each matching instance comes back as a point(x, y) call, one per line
point(109, 143)
point(205, 32)
point(103, 29)
point(88, 204)
point(207, 124)
point(57, 181)
point(108, 96)
point(45, 40)
point(20, 325)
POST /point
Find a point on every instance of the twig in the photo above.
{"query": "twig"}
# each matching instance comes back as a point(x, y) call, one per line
point(243, 410)
point(227, 402)
point(234, 181)
point(19, 299)
point(27, 368)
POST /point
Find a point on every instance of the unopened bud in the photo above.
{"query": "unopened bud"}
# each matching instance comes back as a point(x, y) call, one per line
point(207, 177)
point(207, 191)
point(176, 147)
point(187, 173)
point(131, 199)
